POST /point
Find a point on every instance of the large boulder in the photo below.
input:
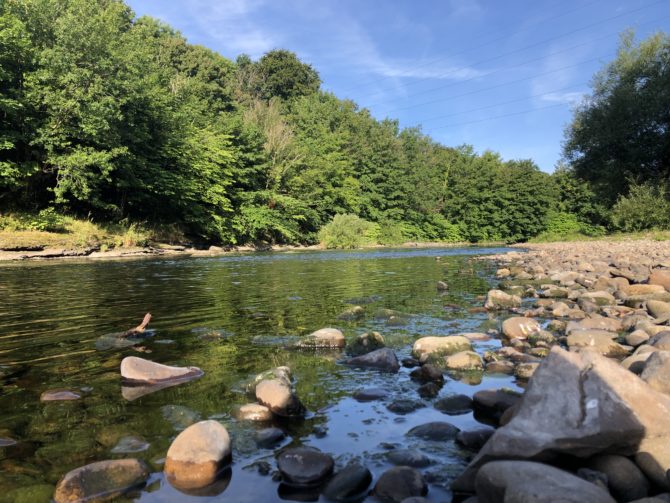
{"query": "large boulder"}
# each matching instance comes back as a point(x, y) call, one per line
point(431, 348)
point(519, 327)
point(656, 371)
point(197, 456)
point(497, 299)
point(382, 359)
point(136, 370)
point(581, 404)
point(326, 338)
point(278, 396)
point(101, 481)
point(529, 482)
point(596, 340)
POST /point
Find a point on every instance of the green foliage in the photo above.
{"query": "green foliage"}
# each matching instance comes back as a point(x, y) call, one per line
point(347, 231)
point(620, 132)
point(279, 73)
point(47, 220)
point(562, 225)
point(645, 207)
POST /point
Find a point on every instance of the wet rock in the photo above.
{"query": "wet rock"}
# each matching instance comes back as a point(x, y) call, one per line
point(327, 338)
point(660, 277)
point(128, 445)
point(525, 370)
point(404, 406)
point(198, 455)
point(500, 367)
point(278, 396)
point(474, 439)
point(494, 402)
point(365, 343)
point(59, 395)
point(399, 483)
point(498, 300)
point(409, 457)
point(101, 481)
point(382, 359)
point(519, 327)
point(253, 412)
point(624, 479)
point(583, 404)
point(410, 363)
point(179, 417)
point(349, 483)
point(268, 437)
point(370, 394)
point(526, 481)
point(138, 370)
point(464, 360)
point(427, 373)
point(597, 340)
point(429, 390)
point(354, 313)
point(304, 466)
point(656, 371)
point(433, 347)
point(454, 405)
point(435, 430)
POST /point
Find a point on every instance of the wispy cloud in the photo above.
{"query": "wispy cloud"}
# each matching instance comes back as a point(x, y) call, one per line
point(465, 8)
point(570, 98)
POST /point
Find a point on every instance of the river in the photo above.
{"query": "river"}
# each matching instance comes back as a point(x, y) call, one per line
point(234, 317)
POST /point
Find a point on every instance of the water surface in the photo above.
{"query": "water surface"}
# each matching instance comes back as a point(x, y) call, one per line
point(233, 317)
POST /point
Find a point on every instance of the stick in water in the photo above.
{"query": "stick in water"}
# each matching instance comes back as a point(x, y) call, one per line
point(139, 328)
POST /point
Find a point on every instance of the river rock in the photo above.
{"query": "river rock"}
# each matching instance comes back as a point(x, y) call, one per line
point(660, 277)
point(530, 482)
point(658, 308)
point(399, 483)
point(497, 300)
point(519, 327)
point(409, 457)
point(454, 405)
point(636, 338)
point(464, 360)
point(140, 371)
point(179, 417)
point(278, 396)
point(404, 405)
point(636, 362)
point(494, 402)
point(435, 430)
point(323, 338)
point(353, 313)
point(600, 298)
point(433, 347)
point(268, 437)
point(101, 481)
point(525, 370)
point(349, 483)
point(656, 371)
point(304, 466)
point(382, 359)
point(370, 394)
point(474, 439)
point(500, 367)
point(595, 322)
point(130, 444)
point(597, 340)
point(442, 286)
point(581, 404)
point(640, 290)
point(253, 412)
point(427, 373)
point(198, 454)
point(661, 340)
point(59, 395)
point(624, 479)
point(365, 343)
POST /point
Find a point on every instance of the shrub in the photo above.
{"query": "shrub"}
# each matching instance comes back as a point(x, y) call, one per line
point(645, 207)
point(347, 231)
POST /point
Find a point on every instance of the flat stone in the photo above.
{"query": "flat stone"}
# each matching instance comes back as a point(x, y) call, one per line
point(595, 323)
point(198, 455)
point(101, 481)
point(59, 395)
point(597, 340)
point(304, 466)
point(426, 347)
point(399, 483)
point(349, 483)
point(519, 327)
point(382, 359)
point(370, 394)
point(435, 430)
point(497, 299)
point(530, 482)
point(139, 370)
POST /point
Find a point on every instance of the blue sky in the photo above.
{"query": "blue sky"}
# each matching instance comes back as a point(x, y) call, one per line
point(497, 74)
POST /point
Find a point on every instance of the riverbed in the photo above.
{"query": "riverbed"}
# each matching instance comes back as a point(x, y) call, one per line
point(232, 316)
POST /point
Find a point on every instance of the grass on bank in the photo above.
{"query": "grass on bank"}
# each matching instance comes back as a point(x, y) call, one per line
point(654, 235)
point(48, 229)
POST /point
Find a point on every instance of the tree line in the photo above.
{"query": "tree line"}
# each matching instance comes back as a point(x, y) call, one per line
point(117, 118)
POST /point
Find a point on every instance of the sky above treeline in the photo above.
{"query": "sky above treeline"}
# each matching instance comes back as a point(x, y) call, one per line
point(499, 75)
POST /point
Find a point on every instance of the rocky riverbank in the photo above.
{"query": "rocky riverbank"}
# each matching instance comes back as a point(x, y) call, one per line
point(584, 327)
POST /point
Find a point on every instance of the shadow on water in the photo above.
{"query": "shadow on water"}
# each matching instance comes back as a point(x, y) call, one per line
point(230, 316)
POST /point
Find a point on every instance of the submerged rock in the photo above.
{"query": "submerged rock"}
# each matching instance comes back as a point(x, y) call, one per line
point(464, 360)
point(304, 466)
point(399, 483)
point(127, 445)
point(269, 437)
point(525, 481)
point(136, 370)
point(197, 456)
point(382, 359)
point(409, 457)
point(370, 394)
point(59, 395)
point(354, 313)
point(179, 417)
point(101, 481)
point(454, 405)
point(253, 412)
point(436, 430)
point(365, 343)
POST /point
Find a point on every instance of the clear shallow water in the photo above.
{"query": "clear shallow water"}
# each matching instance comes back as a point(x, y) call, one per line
point(232, 317)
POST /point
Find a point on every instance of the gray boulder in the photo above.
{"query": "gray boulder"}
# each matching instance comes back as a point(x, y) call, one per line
point(382, 359)
point(656, 371)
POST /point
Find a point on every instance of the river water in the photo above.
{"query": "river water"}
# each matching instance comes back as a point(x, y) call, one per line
point(234, 317)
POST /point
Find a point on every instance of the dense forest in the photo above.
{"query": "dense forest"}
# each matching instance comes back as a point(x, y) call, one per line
point(114, 118)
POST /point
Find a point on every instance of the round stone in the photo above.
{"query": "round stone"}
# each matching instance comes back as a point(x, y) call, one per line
point(253, 412)
point(399, 483)
point(304, 466)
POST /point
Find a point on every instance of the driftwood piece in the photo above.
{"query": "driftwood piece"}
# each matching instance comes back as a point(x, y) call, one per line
point(139, 329)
